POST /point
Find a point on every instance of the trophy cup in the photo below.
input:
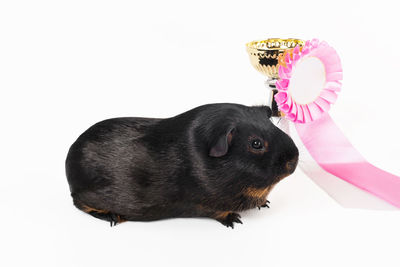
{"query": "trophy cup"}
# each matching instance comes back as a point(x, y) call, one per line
point(266, 56)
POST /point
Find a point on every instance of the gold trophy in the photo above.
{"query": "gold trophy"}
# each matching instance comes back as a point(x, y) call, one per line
point(266, 56)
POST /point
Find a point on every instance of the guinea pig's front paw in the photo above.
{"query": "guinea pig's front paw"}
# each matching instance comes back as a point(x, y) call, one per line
point(264, 205)
point(228, 218)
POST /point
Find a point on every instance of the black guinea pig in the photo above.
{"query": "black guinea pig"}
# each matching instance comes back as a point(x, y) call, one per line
point(212, 161)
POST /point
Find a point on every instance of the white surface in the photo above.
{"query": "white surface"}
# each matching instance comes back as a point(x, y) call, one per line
point(308, 80)
point(65, 65)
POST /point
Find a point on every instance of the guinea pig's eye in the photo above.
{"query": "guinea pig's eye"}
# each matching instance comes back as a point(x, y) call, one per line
point(256, 144)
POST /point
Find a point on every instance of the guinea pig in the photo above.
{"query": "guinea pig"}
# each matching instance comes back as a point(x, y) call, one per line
point(212, 161)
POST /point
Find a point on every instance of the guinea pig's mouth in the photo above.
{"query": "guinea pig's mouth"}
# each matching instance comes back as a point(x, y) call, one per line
point(281, 177)
point(290, 167)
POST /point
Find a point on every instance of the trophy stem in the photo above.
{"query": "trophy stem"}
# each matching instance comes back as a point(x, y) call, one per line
point(270, 84)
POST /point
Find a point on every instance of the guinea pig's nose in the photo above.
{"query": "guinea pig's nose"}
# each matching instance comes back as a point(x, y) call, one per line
point(292, 164)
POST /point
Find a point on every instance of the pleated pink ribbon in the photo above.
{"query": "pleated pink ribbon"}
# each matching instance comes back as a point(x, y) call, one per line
point(320, 135)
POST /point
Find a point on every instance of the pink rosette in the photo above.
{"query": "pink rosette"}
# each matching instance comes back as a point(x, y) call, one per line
point(304, 113)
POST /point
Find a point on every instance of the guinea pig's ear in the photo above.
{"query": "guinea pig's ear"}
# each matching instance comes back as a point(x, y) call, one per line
point(220, 147)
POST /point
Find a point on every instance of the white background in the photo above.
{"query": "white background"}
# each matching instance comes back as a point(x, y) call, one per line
point(65, 65)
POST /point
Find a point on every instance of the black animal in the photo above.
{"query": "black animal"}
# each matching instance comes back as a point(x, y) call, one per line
point(212, 161)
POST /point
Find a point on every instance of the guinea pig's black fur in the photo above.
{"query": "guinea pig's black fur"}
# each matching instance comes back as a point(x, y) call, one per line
point(212, 161)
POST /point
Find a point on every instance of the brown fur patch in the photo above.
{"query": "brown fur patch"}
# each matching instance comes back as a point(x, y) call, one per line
point(88, 209)
point(221, 214)
point(257, 192)
point(120, 220)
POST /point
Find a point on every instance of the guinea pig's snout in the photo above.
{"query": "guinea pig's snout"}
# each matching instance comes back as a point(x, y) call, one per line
point(288, 156)
point(292, 164)
point(293, 158)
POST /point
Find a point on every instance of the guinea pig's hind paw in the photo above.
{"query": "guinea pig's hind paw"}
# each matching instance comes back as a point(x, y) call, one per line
point(114, 219)
point(230, 219)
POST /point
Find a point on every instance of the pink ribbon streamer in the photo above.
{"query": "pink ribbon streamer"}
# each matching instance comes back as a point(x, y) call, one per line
point(335, 154)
